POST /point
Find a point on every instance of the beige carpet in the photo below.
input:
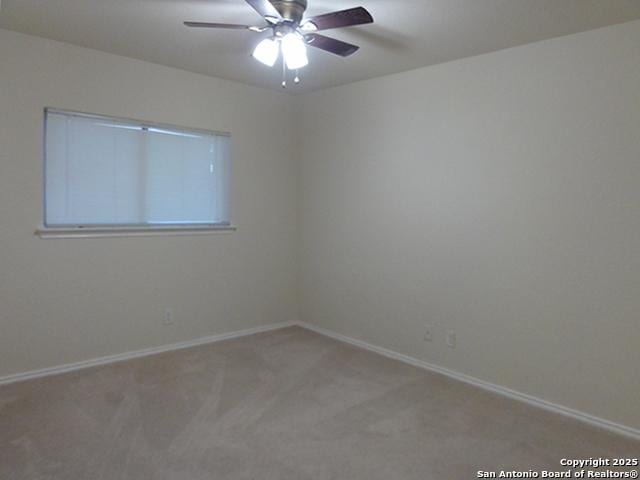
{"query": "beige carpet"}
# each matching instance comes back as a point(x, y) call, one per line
point(288, 404)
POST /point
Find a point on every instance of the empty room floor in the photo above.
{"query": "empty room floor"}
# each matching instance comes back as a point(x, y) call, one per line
point(287, 404)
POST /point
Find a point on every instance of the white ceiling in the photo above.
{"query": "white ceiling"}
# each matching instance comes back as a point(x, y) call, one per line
point(407, 34)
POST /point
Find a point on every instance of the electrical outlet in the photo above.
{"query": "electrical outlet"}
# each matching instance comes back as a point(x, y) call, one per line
point(428, 333)
point(168, 317)
point(451, 339)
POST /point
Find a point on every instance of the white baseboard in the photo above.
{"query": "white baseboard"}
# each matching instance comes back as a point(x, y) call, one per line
point(535, 401)
point(69, 367)
point(523, 397)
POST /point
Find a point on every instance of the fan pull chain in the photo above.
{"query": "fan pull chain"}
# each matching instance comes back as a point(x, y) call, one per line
point(284, 74)
point(296, 79)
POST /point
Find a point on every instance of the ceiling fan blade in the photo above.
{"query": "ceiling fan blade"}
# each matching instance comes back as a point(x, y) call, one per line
point(343, 18)
point(218, 25)
point(264, 8)
point(331, 45)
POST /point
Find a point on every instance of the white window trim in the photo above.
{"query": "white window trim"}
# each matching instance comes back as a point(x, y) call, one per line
point(142, 123)
point(131, 231)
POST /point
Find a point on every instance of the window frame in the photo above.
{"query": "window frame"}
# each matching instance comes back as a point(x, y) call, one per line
point(115, 230)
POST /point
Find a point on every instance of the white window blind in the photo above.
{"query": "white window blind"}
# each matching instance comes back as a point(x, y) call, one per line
point(108, 172)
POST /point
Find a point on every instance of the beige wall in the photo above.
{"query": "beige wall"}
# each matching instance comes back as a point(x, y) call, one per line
point(69, 300)
point(497, 196)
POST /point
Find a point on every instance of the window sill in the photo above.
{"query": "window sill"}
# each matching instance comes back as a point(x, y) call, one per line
point(102, 232)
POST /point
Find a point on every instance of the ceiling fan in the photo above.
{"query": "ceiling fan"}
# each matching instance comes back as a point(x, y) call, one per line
point(290, 33)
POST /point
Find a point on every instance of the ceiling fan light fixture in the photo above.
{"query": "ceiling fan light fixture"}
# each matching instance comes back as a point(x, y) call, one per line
point(294, 51)
point(267, 52)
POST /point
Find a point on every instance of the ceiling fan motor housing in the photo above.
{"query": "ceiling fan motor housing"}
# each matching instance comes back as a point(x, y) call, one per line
point(291, 10)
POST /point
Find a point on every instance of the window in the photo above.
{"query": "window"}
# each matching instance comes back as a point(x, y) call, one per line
point(105, 172)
